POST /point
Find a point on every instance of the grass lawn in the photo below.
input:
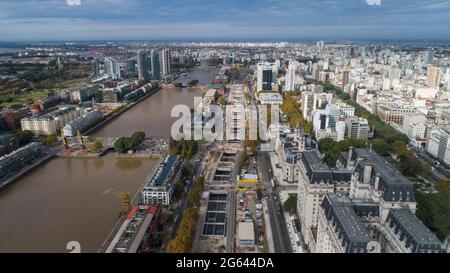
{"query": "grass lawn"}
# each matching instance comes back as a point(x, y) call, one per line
point(24, 98)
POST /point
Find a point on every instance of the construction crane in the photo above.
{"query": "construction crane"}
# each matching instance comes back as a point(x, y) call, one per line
point(81, 141)
point(66, 144)
point(123, 195)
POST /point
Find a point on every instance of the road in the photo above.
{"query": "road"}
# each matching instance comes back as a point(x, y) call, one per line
point(231, 222)
point(280, 233)
point(438, 170)
point(195, 173)
point(278, 223)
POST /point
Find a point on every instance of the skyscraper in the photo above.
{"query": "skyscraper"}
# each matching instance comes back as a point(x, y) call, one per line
point(155, 65)
point(144, 65)
point(434, 76)
point(112, 68)
point(266, 76)
point(165, 61)
point(444, 146)
point(428, 57)
point(290, 77)
point(131, 65)
point(320, 45)
point(345, 76)
point(95, 68)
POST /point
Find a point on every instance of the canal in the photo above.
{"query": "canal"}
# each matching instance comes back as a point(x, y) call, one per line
point(62, 200)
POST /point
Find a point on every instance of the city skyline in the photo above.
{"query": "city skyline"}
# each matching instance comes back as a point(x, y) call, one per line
point(52, 20)
point(239, 128)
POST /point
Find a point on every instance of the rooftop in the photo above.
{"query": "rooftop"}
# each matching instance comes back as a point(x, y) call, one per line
point(270, 96)
point(341, 208)
point(415, 228)
point(246, 231)
point(396, 187)
point(159, 177)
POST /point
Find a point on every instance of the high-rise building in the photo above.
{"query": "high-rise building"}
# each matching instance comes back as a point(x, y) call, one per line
point(340, 129)
point(112, 68)
point(131, 66)
point(290, 78)
point(95, 68)
point(345, 76)
point(320, 119)
point(165, 61)
point(144, 65)
point(428, 57)
point(155, 65)
point(266, 76)
point(357, 128)
point(434, 76)
point(444, 146)
point(334, 112)
point(320, 45)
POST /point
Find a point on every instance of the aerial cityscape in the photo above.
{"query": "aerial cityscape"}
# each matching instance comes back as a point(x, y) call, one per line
point(141, 140)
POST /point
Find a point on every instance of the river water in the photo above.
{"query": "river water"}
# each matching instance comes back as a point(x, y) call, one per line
point(62, 200)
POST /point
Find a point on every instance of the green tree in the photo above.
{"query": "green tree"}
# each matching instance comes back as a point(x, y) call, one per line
point(333, 149)
point(185, 234)
point(185, 148)
point(380, 146)
point(434, 209)
point(50, 140)
point(410, 166)
point(137, 138)
point(291, 109)
point(23, 137)
point(290, 205)
point(195, 192)
point(326, 144)
point(120, 146)
point(178, 190)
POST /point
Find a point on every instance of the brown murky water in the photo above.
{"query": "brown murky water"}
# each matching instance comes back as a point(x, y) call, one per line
point(62, 200)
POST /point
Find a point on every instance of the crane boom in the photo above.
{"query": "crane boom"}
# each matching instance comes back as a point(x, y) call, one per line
point(125, 196)
point(63, 138)
point(80, 139)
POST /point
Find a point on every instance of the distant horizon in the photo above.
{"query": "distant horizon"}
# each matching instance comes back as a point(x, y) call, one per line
point(89, 20)
point(224, 40)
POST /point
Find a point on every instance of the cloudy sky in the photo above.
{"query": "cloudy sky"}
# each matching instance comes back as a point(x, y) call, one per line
point(31, 20)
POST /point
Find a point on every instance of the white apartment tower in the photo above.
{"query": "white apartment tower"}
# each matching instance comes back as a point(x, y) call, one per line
point(165, 61)
point(290, 77)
